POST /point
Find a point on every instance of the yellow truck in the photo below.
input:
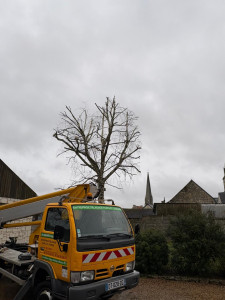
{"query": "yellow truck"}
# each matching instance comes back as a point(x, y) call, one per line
point(78, 248)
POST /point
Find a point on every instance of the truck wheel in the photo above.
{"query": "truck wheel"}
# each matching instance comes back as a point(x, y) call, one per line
point(43, 291)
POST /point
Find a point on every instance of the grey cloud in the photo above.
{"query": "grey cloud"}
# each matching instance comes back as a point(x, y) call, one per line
point(164, 60)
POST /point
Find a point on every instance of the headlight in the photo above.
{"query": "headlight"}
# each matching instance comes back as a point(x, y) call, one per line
point(76, 277)
point(130, 266)
point(87, 275)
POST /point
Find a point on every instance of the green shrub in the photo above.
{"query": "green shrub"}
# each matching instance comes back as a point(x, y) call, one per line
point(198, 243)
point(151, 252)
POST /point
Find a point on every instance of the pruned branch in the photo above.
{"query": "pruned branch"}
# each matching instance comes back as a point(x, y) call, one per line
point(102, 144)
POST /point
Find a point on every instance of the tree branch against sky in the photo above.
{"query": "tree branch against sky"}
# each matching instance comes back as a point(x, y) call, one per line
point(102, 144)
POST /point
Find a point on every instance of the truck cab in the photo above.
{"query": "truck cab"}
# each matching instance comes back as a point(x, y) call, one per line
point(87, 249)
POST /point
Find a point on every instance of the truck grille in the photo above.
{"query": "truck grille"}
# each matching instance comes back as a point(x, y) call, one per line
point(118, 271)
point(101, 273)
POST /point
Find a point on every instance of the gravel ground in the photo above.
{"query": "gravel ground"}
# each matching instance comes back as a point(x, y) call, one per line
point(148, 288)
point(161, 289)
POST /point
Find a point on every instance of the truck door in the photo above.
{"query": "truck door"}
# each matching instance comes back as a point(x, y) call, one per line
point(52, 251)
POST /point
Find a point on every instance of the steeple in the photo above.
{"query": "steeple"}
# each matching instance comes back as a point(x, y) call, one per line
point(148, 196)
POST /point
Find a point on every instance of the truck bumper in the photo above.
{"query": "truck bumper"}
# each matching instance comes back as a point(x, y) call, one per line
point(98, 290)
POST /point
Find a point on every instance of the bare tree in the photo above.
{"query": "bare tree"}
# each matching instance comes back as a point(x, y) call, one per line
point(102, 145)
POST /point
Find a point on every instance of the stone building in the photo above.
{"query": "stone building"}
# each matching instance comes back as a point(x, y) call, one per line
point(221, 196)
point(193, 193)
point(12, 189)
point(190, 197)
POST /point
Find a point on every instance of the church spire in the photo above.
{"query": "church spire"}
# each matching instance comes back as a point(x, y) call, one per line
point(148, 196)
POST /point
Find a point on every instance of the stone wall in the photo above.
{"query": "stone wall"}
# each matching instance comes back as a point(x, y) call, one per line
point(173, 209)
point(160, 223)
point(166, 211)
point(22, 233)
point(218, 210)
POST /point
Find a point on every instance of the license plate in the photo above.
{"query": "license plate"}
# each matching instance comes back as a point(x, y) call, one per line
point(115, 284)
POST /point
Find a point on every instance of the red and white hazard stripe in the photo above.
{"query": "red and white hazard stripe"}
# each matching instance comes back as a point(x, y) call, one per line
point(107, 255)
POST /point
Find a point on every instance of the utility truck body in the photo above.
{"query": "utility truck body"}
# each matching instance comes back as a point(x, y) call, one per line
point(79, 249)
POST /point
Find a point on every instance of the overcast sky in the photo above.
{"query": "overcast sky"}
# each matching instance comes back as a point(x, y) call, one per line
point(164, 60)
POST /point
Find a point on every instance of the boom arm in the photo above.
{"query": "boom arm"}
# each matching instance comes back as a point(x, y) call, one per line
point(33, 206)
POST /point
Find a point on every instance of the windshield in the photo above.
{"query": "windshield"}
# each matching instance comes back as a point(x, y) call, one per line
point(99, 220)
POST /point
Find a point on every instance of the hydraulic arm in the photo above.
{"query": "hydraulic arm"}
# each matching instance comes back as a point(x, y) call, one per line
point(33, 206)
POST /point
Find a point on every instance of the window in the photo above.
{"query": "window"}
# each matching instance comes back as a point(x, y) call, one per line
point(58, 216)
point(95, 220)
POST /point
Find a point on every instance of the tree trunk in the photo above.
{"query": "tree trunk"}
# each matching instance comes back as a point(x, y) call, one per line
point(101, 194)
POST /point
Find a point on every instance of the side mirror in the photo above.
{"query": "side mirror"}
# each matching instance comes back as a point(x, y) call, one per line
point(58, 233)
point(137, 229)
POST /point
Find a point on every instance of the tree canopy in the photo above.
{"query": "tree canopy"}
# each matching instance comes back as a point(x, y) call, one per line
point(101, 144)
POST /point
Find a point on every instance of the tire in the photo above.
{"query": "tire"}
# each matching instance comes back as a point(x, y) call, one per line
point(43, 291)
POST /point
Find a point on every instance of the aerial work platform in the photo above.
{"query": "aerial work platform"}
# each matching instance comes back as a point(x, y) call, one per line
point(34, 206)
